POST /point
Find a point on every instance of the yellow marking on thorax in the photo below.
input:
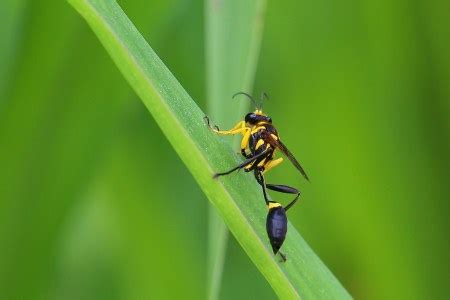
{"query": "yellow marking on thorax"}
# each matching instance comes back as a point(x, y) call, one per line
point(259, 143)
point(274, 137)
point(273, 205)
point(257, 128)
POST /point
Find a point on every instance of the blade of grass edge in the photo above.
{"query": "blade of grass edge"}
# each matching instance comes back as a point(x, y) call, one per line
point(181, 121)
point(233, 30)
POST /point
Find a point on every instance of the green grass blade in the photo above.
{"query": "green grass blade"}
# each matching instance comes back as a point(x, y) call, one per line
point(233, 35)
point(217, 245)
point(236, 197)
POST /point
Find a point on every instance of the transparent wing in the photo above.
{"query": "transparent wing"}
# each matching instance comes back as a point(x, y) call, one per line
point(276, 143)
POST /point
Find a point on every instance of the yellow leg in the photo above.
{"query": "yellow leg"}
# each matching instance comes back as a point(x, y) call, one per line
point(245, 139)
point(271, 164)
point(261, 163)
point(238, 128)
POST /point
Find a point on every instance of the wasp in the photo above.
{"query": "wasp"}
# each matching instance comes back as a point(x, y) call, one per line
point(259, 141)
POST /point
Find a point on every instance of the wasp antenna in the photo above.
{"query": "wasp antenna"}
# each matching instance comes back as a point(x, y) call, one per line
point(264, 96)
point(248, 96)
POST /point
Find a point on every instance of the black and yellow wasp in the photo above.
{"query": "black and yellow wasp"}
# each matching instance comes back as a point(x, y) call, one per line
point(259, 142)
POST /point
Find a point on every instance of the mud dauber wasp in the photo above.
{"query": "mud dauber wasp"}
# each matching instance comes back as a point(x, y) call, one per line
point(259, 142)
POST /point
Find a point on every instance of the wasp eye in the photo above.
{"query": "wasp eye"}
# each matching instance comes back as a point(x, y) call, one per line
point(251, 118)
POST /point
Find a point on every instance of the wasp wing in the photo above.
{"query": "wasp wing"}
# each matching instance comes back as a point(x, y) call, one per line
point(278, 144)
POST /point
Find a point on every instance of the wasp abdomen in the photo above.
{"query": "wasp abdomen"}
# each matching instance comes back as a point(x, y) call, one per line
point(276, 226)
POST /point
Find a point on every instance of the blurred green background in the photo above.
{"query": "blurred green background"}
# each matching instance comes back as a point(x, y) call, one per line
point(95, 204)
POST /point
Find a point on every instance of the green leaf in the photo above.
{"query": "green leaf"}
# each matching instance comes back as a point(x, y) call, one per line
point(236, 197)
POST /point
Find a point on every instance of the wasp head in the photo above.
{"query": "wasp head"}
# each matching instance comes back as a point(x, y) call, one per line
point(256, 117)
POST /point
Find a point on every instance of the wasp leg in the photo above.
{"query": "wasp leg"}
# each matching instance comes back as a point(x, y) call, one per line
point(285, 189)
point(260, 178)
point(258, 163)
point(244, 154)
point(206, 119)
point(292, 202)
point(238, 128)
point(277, 188)
point(245, 141)
point(215, 128)
point(283, 257)
point(246, 162)
point(273, 163)
point(232, 131)
point(282, 188)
